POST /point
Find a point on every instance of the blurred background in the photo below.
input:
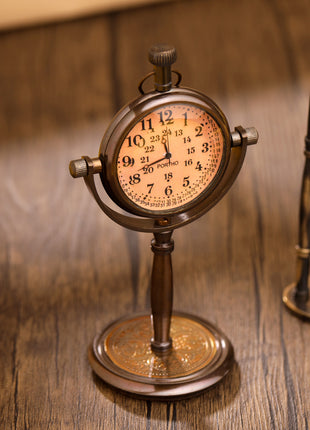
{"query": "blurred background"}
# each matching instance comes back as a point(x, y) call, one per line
point(66, 270)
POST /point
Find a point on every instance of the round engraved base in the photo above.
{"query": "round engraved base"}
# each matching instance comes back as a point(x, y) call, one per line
point(200, 356)
point(299, 307)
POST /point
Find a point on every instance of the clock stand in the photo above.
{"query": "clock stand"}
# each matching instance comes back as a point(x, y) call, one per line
point(164, 354)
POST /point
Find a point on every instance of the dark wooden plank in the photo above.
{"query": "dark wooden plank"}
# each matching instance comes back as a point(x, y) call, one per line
point(66, 270)
point(248, 70)
point(45, 121)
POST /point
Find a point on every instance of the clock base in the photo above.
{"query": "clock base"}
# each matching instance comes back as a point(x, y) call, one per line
point(299, 307)
point(200, 357)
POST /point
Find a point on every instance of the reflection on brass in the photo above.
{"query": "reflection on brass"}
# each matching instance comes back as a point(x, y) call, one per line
point(302, 252)
point(299, 306)
point(128, 347)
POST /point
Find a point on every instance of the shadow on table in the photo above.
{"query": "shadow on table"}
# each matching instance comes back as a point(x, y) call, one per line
point(198, 411)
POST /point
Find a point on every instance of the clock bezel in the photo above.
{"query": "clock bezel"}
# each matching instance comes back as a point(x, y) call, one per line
point(128, 117)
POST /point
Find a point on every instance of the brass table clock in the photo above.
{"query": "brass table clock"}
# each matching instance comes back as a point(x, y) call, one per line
point(166, 159)
point(296, 295)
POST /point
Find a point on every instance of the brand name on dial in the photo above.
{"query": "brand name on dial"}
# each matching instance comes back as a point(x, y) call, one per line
point(167, 164)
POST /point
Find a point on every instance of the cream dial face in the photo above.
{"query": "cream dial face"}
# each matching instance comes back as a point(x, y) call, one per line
point(170, 157)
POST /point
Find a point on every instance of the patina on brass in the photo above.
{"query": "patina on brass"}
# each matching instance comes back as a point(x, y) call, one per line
point(122, 355)
point(162, 355)
point(162, 290)
point(296, 295)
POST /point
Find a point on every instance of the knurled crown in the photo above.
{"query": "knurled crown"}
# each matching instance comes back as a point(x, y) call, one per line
point(78, 168)
point(250, 133)
point(162, 55)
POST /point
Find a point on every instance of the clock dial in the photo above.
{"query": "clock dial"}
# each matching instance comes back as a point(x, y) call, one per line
point(170, 157)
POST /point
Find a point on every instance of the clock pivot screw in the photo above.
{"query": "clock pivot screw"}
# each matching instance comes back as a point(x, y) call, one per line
point(82, 167)
point(78, 168)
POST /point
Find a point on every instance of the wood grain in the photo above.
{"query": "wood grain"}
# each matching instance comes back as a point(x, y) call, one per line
point(66, 270)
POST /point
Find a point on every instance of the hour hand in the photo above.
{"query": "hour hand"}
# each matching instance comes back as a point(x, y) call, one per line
point(165, 141)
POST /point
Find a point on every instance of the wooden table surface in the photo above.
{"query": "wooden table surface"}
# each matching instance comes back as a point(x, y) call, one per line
point(66, 270)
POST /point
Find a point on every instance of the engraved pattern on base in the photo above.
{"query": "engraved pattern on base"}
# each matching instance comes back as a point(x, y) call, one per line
point(128, 346)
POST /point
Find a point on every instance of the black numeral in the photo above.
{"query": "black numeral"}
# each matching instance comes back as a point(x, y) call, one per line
point(165, 117)
point(147, 169)
point(135, 179)
point(128, 161)
point(186, 181)
point(185, 118)
point(166, 132)
point(168, 176)
point(188, 162)
point(150, 148)
point(138, 140)
point(146, 124)
point(154, 139)
point(205, 147)
point(191, 150)
point(198, 130)
point(168, 190)
point(198, 166)
point(150, 188)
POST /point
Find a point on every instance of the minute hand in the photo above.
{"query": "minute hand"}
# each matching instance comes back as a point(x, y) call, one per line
point(154, 162)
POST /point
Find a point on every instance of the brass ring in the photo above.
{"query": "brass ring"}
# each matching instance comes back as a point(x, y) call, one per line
point(302, 252)
point(140, 87)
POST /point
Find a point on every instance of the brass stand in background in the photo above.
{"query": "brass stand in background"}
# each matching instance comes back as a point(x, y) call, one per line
point(296, 295)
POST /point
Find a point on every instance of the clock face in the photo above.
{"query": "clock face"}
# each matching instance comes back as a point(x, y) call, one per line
point(170, 157)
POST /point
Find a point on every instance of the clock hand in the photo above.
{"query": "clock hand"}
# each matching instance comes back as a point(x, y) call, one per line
point(154, 162)
point(164, 141)
point(168, 143)
point(166, 157)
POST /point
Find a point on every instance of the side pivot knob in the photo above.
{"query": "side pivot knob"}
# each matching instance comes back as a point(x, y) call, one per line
point(80, 168)
point(240, 133)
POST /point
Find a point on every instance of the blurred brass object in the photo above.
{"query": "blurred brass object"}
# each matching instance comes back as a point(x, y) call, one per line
point(297, 305)
point(296, 295)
